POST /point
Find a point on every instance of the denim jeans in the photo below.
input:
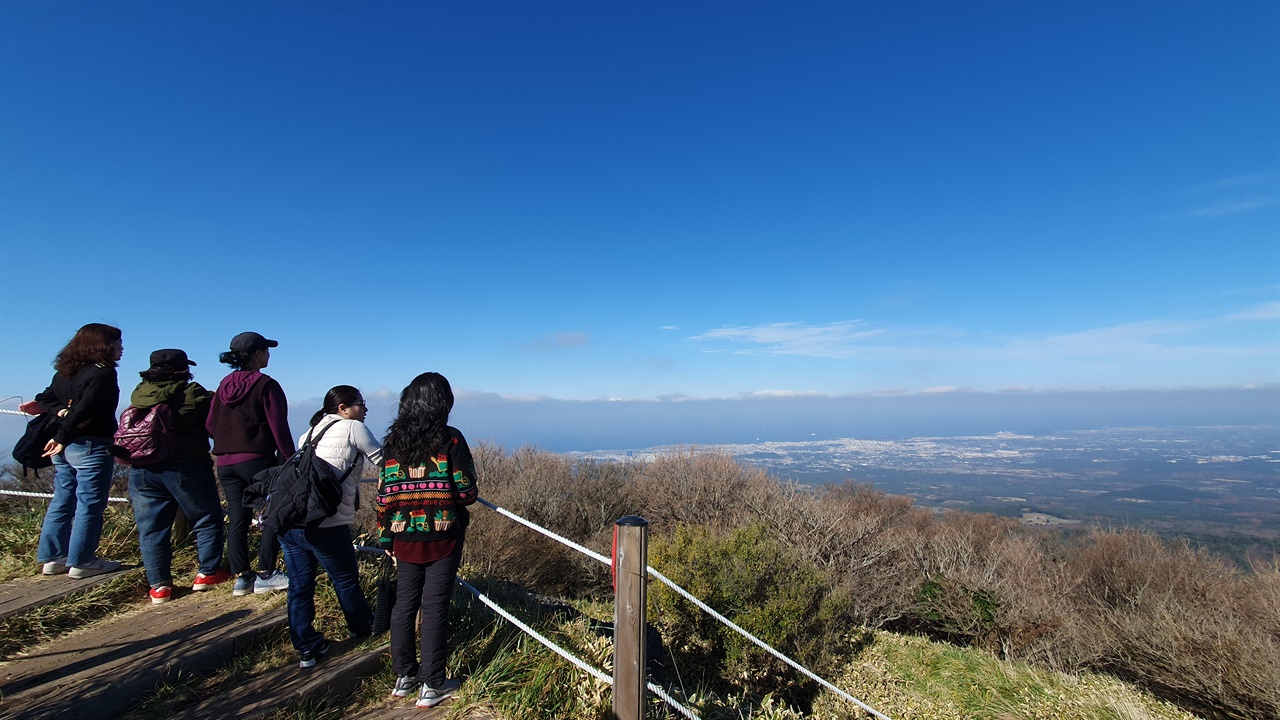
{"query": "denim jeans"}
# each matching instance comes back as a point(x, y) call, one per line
point(429, 586)
point(331, 548)
point(158, 491)
point(235, 478)
point(81, 484)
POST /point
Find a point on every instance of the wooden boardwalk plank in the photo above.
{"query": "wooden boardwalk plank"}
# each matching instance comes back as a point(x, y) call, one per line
point(23, 594)
point(102, 670)
point(333, 678)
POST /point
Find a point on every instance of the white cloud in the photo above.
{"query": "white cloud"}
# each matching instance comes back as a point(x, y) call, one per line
point(1265, 311)
point(834, 340)
point(1231, 206)
point(1245, 180)
point(669, 327)
point(941, 389)
point(784, 393)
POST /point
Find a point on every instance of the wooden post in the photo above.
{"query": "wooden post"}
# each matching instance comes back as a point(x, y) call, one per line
point(630, 585)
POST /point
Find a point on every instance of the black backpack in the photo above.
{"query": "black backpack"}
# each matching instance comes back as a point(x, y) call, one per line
point(30, 447)
point(304, 490)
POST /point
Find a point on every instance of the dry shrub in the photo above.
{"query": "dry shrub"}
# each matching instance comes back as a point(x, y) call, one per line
point(696, 488)
point(859, 537)
point(578, 500)
point(1180, 622)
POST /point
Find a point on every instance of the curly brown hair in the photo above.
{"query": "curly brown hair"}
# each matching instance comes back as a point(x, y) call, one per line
point(93, 344)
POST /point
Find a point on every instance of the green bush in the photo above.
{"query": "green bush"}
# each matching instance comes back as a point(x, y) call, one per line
point(758, 582)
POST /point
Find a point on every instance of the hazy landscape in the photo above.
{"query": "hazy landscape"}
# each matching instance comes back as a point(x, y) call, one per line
point(1220, 481)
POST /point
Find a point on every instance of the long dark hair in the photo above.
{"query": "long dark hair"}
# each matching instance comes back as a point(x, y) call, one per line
point(421, 427)
point(337, 395)
point(92, 344)
point(234, 358)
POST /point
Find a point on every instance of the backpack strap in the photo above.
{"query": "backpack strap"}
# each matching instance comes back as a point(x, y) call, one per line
point(311, 442)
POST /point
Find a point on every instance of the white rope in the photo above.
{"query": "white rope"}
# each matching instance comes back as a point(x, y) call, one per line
point(662, 695)
point(700, 604)
point(16, 412)
point(19, 493)
point(548, 533)
point(595, 673)
point(766, 647)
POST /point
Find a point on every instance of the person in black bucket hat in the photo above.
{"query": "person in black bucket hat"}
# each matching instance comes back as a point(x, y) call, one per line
point(249, 422)
point(180, 479)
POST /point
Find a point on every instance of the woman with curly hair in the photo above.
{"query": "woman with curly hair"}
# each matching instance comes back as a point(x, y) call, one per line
point(84, 393)
point(426, 480)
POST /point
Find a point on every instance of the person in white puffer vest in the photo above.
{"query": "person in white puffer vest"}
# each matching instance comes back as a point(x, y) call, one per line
point(345, 444)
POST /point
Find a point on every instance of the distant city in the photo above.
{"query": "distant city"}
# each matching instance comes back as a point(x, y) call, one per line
point(1174, 480)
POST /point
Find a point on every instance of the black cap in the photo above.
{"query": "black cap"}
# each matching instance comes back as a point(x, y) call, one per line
point(251, 342)
point(170, 359)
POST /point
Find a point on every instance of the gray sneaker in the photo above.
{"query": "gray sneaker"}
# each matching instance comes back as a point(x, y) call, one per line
point(431, 697)
point(406, 685)
point(275, 581)
point(243, 585)
point(55, 567)
point(97, 567)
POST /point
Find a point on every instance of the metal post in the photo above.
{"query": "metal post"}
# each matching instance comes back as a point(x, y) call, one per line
point(630, 578)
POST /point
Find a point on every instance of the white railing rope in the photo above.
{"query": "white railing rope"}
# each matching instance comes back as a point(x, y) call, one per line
point(764, 646)
point(4, 411)
point(544, 531)
point(684, 593)
point(593, 672)
point(19, 493)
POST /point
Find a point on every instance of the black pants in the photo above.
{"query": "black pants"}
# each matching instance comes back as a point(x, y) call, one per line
point(429, 587)
point(234, 478)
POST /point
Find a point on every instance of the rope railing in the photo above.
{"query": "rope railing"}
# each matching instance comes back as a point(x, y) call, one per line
point(21, 493)
point(544, 531)
point(684, 593)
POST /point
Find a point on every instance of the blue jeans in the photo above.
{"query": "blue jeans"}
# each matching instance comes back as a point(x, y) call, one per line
point(158, 491)
point(81, 484)
point(332, 548)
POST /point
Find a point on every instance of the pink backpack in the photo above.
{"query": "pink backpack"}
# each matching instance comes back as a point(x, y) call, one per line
point(148, 435)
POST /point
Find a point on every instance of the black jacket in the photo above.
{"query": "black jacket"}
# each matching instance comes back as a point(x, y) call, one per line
point(92, 395)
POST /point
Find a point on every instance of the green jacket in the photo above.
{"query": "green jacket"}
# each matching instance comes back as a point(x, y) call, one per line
point(191, 401)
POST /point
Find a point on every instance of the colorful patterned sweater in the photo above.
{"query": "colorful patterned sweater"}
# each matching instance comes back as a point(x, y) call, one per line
point(427, 502)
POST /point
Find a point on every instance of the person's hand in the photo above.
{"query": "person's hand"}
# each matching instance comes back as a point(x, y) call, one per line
point(390, 554)
point(63, 412)
point(51, 448)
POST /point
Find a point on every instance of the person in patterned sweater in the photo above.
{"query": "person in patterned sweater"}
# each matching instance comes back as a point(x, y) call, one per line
point(425, 481)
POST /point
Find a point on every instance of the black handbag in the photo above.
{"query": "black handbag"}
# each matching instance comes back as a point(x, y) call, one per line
point(384, 596)
point(30, 447)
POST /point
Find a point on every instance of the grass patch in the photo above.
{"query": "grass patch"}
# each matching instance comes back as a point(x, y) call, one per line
point(910, 676)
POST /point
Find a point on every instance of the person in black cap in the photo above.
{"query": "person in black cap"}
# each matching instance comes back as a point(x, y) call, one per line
point(181, 478)
point(249, 422)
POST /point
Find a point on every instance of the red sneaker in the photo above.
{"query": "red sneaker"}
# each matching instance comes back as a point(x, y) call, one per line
point(162, 594)
point(204, 582)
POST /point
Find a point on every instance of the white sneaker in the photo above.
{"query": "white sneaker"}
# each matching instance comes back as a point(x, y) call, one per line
point(56, 567)
point(275, 581)
point(431, 697)
point(97, 567)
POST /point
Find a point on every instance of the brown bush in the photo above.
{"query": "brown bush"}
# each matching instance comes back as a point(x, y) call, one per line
point(1180, 622)
point(1175, 620)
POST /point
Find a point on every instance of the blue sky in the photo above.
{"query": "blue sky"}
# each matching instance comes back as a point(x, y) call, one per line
point(650, 201)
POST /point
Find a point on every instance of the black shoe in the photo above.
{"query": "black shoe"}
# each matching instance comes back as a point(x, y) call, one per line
point(311, 657)
point(359, 636)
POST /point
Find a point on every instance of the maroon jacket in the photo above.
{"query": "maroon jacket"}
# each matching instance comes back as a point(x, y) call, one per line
point(249, 419)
